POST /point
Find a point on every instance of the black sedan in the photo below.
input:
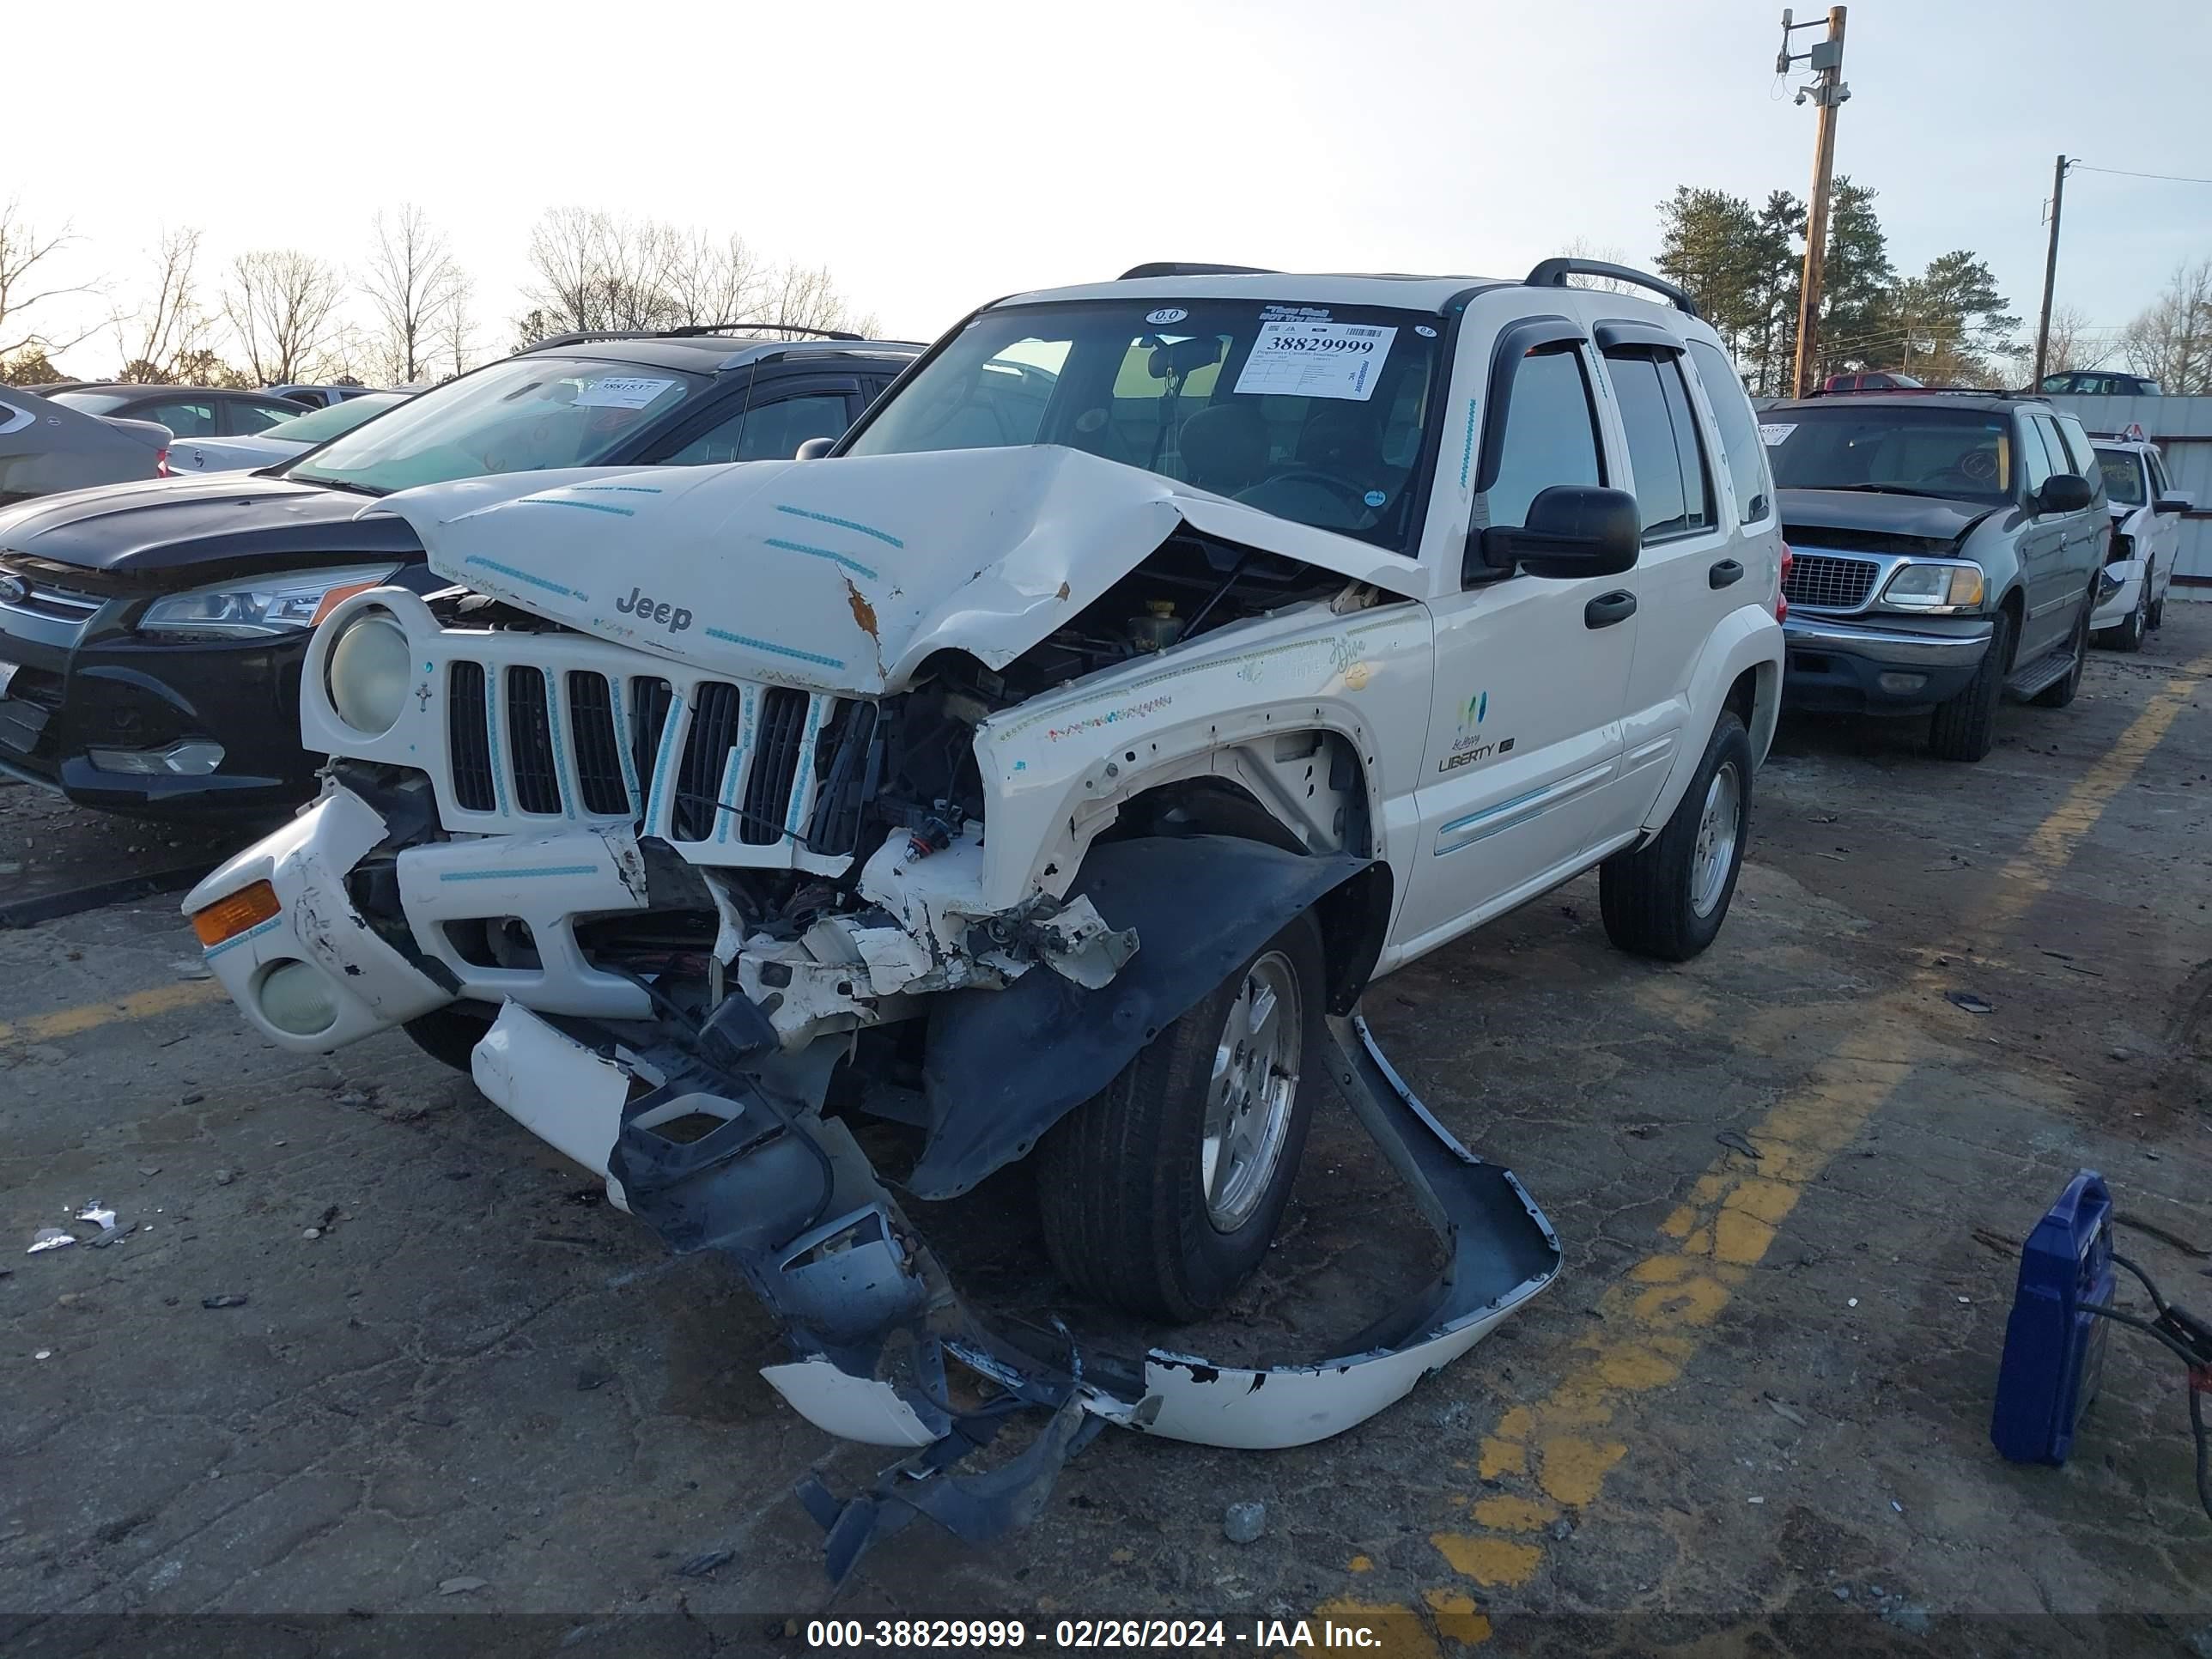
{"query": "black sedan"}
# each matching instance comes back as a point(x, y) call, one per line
point(151, 634)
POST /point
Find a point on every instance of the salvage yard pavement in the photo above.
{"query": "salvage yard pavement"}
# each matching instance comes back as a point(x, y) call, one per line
point(369, 1349)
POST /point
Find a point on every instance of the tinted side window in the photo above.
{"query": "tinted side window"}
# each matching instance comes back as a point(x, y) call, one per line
point(2080, 457)
point(187, 420)
point(259, 417)
point(775, 431)
point(1665, 449)
point(2035, 459)
point(1551, 434)
point(2157, 474)
point(1741, 450)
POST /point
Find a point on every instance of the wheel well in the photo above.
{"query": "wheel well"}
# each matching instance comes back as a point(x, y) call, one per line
point(1354, 916)
point(1742, 699)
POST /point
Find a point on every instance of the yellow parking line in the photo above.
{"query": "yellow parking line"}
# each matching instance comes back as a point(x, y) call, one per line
point(138, 1005)
point(1558, 1449)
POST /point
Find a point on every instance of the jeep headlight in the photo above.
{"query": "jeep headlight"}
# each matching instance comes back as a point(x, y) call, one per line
point(367, 671)
point(255, 607)
point(1935, 587)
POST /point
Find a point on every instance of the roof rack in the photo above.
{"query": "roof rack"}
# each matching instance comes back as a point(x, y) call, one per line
point(689, 332)
point(1553, 273)
point(1186, 268)
point(1923, 391)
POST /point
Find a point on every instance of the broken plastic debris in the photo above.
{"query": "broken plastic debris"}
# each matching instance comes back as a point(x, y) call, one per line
point(44, 1353)
point(704, 1564)
point(51, 1238)
point(1852, 1302)
point(227, 1299)
point(1969, 1002)
point(98, 1213)
point(458, 1586)
point(1754, 1500)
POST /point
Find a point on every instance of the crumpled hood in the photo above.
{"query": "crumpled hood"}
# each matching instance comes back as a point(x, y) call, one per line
point(1927, 516)
point(843, 574)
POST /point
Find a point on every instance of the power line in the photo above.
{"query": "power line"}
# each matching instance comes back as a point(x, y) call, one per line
point(2170, 178)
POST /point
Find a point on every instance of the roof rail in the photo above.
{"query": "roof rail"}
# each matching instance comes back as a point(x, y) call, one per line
point(1186, 268)
point(689, 332)
point(1924, 392)
point(1553, 273)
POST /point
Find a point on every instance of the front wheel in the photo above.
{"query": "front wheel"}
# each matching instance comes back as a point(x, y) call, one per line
point(2129, 636)
point(1668, 898)
point(1966, 728)
point(1161, 1193)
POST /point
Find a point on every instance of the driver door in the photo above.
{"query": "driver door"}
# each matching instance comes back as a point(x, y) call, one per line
point(1525, 733)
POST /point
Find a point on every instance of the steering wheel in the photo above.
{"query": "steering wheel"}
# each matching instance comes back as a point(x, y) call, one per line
point(1352, 494)
point(1950, 477)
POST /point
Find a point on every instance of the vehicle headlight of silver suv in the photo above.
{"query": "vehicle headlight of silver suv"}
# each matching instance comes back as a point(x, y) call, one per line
point(368, 671)
point(256, 607)
point(1932, 588)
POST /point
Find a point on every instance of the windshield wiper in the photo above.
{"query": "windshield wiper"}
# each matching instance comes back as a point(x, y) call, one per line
point(1889, 490)
point(346, 484)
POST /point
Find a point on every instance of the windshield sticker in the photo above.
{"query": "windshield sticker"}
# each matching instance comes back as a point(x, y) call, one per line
point(1424, 330)
point(1166, 314)
point(1293, 313)
point(620, 392)
point(1772, 432)
point(1375, 498)
point(1316, 360)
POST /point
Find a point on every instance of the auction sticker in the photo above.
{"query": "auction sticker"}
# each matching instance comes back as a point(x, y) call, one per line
point(1772, 432)
point(1316, 360)
point(620, 392)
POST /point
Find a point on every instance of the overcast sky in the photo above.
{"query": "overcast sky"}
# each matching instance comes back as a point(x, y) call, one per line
point(936, 157)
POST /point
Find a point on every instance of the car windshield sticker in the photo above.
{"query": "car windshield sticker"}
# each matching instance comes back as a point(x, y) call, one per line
point(1424, 330)
point(1316, 360)
point(1376, 498)
point(1293, 313)
point(1166, 314)
point(620, 392)
point(1772, 432)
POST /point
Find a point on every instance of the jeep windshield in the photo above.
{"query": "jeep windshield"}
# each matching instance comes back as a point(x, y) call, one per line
point(1907, 449)
point(520, 416)
point(1317, 414)
point(2124, 479)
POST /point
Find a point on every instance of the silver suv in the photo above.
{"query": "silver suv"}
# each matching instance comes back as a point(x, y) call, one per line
point(1946, 550)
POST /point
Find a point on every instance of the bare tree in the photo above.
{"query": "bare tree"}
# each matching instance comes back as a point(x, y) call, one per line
point(23, 251)
point(454, 335)
point(801, 297)
point(283, 306)
point(709, 281)
point(411, 279)
point(2171, 340)
point(1582, 248)
point(171, 327)
point(595, 271)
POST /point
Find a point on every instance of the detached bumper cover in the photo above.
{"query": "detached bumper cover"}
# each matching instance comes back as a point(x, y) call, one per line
point(874, 1323)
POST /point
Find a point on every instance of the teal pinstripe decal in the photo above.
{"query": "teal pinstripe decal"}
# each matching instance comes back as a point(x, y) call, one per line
point(841, 524)
point(823, 553)
point(255, 932)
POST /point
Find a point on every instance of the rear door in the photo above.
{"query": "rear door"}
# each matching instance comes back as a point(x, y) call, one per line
point(2164, 531)
point(1524, 724)
point(1692, 572)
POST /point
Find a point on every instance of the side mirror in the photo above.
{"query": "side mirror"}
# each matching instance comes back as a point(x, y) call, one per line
point(2063, 492)
point(815, 448)
point(2175, 504)
point(1573, 530)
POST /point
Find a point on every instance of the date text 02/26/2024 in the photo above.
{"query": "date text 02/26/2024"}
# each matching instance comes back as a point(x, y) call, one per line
point(1083, 1634)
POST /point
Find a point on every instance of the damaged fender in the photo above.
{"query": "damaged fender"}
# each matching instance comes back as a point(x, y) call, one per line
point(1005, 1065)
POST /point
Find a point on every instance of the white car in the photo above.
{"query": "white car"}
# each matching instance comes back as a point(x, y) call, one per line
point(1279, 629)
point(2146, 540)
point(281, 442)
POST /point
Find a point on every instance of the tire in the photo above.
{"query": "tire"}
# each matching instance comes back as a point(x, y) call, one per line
point(1121, 1180)
point(1965, 728)
point(1669, 897)
point(2155, 617)
point(448, 1034)
point(2129, 636)
point(2061, 692)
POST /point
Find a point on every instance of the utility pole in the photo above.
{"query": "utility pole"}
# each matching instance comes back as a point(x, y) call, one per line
point(1827, 91)
point(2050, 274)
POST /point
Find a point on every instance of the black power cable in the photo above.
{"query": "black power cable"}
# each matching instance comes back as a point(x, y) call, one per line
point(2190, 1340)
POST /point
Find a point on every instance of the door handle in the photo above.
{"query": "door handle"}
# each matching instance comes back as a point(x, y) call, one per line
point(1607, 609)
point(1726, 573)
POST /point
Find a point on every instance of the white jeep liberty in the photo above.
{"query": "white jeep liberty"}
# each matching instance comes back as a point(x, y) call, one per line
point(1045, 772)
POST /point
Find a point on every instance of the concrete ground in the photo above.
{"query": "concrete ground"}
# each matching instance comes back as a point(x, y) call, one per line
point(1751, 1416)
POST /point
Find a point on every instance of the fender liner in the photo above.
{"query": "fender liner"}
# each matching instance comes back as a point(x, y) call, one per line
point(1005, 1065)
